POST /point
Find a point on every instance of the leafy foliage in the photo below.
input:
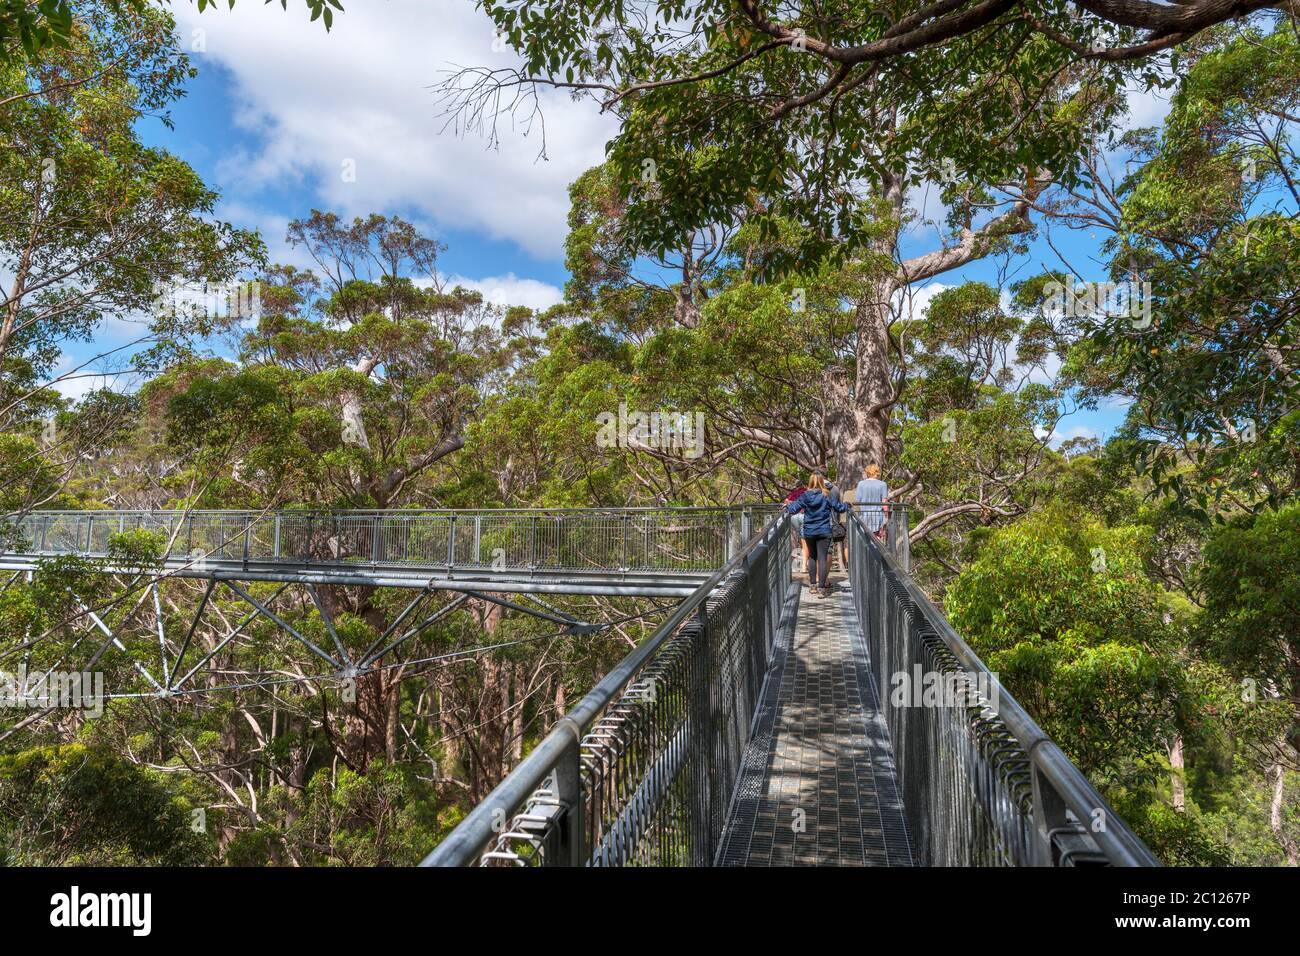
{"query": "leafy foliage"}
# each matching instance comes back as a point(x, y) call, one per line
point(86, 806)
point(1064, 612)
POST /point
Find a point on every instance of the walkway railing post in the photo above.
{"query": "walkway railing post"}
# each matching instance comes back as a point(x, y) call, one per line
point(1049, 818)
point(708, 708)
point(568, 791)
point(627, 525)
point(904, 543)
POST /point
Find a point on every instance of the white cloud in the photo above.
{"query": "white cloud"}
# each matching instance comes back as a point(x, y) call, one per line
point(1057, 438)
point(925, 199)
point(81, 384)
point(76, 378)
point(509, 289)
point(1145, 108)
point(1047, 373)
point(914, 301)
point(364, 93)
point(273, 227)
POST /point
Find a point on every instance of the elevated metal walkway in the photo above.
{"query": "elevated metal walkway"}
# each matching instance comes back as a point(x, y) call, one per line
point(665, 552)
point(443, 557)
point(818, 786)
point(757, 727)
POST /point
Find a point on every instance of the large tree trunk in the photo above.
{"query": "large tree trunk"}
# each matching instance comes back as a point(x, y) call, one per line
point(1176, 777)
point(450, 743)
point(561, 700)
point(492, 728)
point(686, 312)
point(516, 718)
point(394, 716)
point(370, 723)
point(858, 419)
point(1276, 818)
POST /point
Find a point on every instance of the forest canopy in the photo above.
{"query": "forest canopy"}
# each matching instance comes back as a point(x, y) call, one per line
point(753, 250)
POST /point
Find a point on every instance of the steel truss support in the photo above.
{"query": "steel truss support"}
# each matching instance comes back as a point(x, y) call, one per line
point(284, 625)
point(329, 624)
point(177, 672)
point(554, 617)
point(112, 639)
point(602, 583)
point(224, 641)
point(198, 616)
point(432, 618)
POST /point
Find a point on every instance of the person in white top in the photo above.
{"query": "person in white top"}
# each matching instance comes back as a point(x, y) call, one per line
point(872, 491)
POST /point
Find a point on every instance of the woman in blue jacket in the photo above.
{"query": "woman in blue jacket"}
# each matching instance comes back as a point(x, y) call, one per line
point(817, 506)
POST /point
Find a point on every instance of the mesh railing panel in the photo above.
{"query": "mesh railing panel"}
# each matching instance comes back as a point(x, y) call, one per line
point(964, 778)
point(971, 793)
point(660, 760)
point(633, 540)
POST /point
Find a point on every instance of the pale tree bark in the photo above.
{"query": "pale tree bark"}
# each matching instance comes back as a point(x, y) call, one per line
point(385, 485)
point(354, 427)
point(686, 308)
point(1176, 780)
point(1290, 846)
point(561, 700)
point(451, 746)
point(859, 421)
point(860, 426)
point(492, 720)
point(516, 719)
point(394, 702)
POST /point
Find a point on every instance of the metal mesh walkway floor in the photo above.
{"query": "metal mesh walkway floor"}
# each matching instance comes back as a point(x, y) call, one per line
point(818, 785)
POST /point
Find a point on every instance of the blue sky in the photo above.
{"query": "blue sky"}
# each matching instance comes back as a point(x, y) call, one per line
point(280, 109)
point(208, 135)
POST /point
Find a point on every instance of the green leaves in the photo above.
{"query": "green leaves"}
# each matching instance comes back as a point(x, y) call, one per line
point(36, 25)
point(93, 223)
point(1250, 581)
point(29, 29)
point(83, 805)
point(1209, 222)
point(1063, 610)
point(739, 123)
point(320, 9)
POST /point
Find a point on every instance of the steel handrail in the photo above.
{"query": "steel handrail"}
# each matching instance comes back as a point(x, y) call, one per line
point(1120, 844)
point(391, 512)
point(473, 834)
